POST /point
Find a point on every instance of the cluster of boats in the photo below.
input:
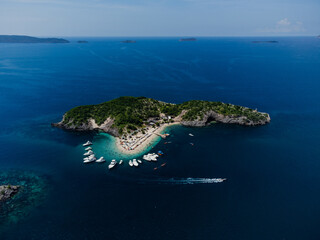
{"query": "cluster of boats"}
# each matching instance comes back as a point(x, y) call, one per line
point(90, 156)
point(150, 157)
point(134, 162)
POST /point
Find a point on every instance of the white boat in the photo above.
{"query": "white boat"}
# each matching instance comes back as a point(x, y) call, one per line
point(121, 161)
point(147, 158)
point(130, 163)
point(112, 164)
point(218, 180)
point(100, 160)
point(89, 159)
point(88, 143)
point(139, 161)
point(191, 135)
point(153, 157)
point(135, 163)
point(88, 148)
point(88, 153)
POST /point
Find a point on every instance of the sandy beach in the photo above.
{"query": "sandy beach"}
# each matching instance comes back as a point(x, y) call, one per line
point(140, 142)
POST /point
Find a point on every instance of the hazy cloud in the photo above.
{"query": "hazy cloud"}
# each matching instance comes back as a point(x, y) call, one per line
point(285, 26)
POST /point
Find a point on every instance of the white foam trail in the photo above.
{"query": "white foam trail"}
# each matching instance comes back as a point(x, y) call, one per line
point(187, 180)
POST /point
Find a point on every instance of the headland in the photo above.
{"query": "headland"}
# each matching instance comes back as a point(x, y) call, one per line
point(28, 39)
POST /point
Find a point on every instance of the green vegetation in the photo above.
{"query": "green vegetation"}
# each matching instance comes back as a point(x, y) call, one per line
point(132, 113)
point(196, 109)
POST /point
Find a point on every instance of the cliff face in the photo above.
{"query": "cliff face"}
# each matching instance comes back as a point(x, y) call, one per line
point(213, 116)
point(90, 125)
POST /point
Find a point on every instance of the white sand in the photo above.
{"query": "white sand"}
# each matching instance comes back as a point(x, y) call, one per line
point(140, 142)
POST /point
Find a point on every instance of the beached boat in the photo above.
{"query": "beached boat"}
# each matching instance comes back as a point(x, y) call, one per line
point(139, 161)
point(88, 148)
point(112, 164)
point(121, 161)
point(130, 163)
point(88, 143)
point(135, 163)
point(100, 160)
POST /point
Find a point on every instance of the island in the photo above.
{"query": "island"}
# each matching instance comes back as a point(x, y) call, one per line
point(7, 192)
point(137, 121)
point(128, 41)
point(187, 39)
point(272, 41)
point(28, 39)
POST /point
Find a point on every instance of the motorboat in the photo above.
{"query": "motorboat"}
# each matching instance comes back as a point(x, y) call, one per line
point(112, 164)
point(100, 160)
point(130, 163)
point(135, 163)
point(153, 157)
point(121, 161)
point(218, 180)
point(191, 135)
point(88, 143)
point(88, 153)
point(88, 148)
point(146, 157)
point(89, 160)
point(139, 161)
point(163, 164)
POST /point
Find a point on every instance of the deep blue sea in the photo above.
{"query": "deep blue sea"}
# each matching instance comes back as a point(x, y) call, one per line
point(273, 172)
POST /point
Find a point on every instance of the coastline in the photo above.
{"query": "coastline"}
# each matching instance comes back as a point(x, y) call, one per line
point(142, 143)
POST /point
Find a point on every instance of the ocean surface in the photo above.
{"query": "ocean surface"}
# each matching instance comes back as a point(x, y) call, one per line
point(273, 172)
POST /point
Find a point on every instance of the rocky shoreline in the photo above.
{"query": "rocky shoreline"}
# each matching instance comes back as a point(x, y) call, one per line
point(211, 116)
point(8, 191)
point(207, 118)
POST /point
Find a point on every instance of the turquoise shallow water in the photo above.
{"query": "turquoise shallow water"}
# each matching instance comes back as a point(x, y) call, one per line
point(272, 191)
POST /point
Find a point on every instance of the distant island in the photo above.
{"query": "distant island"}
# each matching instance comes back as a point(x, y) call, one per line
point(128, 41)
point(187, 39)
point(82, 41)
point(264, 41)
point(28, 39)
point(136, 121)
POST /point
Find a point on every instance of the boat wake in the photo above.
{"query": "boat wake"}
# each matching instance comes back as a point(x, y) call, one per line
point(185, 180)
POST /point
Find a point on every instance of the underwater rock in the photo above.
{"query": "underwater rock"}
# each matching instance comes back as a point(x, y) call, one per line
point(8, 191)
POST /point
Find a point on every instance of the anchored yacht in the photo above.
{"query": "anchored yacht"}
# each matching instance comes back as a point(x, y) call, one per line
point(135, 163)
point(100, 160)
point(130, 163)
point(88, 143)
point(112, 164)
point(88, 153)
point(89, 159)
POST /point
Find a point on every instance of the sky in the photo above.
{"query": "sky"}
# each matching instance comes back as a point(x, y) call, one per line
point(160, 17)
